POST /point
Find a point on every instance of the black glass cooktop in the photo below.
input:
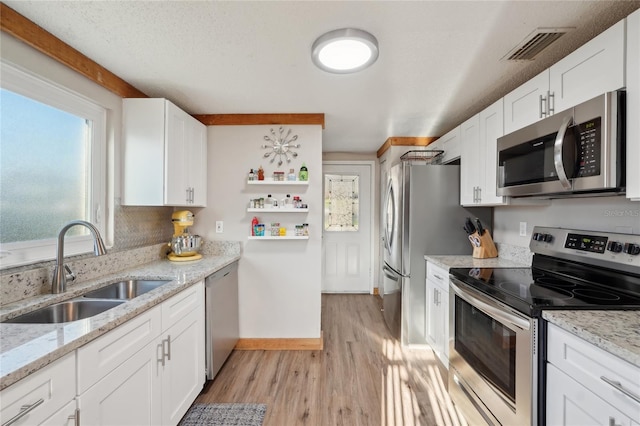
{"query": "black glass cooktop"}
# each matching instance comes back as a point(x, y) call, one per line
point(553, 284)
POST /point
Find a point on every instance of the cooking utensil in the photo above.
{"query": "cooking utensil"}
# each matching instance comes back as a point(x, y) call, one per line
point(468, 226)
point(479, 227)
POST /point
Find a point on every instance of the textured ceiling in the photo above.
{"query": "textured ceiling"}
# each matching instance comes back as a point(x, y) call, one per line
point(440, 61)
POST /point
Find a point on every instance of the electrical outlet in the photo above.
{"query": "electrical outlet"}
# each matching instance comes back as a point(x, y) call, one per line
point(219, 227)
point(523, 229)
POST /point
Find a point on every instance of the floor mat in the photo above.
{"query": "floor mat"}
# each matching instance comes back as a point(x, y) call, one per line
point(224, 415)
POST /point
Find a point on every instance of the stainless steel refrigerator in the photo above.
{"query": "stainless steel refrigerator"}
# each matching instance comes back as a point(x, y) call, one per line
point(421, 215)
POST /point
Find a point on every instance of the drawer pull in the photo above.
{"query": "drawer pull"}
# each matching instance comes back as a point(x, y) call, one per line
point(24, 410)
point(619, 387)
point(438, 277)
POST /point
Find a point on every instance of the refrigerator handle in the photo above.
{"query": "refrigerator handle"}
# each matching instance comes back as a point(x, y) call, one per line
point(390, 274)
point(389, 199)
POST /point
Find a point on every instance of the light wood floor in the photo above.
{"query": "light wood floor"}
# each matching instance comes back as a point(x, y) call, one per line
point(362, 377)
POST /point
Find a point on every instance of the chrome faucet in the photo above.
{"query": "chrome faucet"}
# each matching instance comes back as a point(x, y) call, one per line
point(61, 272)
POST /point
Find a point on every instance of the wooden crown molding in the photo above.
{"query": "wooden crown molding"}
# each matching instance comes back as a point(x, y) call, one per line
point(258, 119)
point(37, 37)
point(405, 141)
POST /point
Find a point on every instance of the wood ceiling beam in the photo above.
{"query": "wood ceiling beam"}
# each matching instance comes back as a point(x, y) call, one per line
point(259, 119)
point(405, 141)
point(37, 37)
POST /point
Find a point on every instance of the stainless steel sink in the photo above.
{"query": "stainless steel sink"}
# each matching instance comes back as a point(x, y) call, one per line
point(124, 290)
point(71, 310)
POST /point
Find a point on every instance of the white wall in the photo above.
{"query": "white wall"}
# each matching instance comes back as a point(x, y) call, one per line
point(608, 214)
point(280, 281)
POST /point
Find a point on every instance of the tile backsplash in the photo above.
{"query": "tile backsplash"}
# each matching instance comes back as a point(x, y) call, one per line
point(141, 235)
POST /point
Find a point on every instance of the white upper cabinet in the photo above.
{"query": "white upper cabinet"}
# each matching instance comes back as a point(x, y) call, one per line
point(478, 162)
point(450, 144)
point(165, 154)
point(633, 106)
point(591, 70)
point(526, 104)
point(469, 162)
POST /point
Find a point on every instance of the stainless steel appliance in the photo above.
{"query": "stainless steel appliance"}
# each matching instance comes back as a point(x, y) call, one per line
point(579, 150)
point(497, 334)
point(221, 317)
point(421, 215)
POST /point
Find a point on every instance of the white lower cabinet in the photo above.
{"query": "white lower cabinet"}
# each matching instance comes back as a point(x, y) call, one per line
point(43, 398)
point(437, 326)
point(149, 370)
point(587, 385)
point(129, 395)
point(183, 370)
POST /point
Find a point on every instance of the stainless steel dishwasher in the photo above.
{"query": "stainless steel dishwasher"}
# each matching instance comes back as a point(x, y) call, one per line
point(221, 317)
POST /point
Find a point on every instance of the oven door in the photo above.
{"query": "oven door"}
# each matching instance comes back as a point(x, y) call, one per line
point(492, 358)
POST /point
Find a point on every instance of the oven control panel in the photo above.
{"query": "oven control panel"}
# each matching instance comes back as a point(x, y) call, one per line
point(606, 249)
point(584, 242)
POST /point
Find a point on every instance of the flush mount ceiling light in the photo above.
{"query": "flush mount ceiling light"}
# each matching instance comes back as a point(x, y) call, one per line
point(345, 51)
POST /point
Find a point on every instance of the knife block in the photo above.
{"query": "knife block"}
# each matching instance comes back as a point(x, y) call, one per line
point(487, 248)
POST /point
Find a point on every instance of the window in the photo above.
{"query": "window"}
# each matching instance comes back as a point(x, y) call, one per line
point(341, 203)
point(52, 155)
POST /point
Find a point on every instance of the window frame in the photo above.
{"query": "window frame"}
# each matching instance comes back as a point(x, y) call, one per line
point(39, 89)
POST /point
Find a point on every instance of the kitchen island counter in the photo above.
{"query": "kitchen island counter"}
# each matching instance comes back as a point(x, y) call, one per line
point(617, 332)
point(26, 348)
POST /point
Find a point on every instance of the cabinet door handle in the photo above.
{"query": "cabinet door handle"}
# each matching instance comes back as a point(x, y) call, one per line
point(543, 103)
point(552, 103)
point(24, 410)
point(168, 353)
point(612, 421)
point(75, 417)
point(438, 277)
point(619, 387)
point(479, 194)
point(188, 195)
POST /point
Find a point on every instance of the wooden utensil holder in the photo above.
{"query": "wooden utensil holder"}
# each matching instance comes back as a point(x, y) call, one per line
point(487, 248)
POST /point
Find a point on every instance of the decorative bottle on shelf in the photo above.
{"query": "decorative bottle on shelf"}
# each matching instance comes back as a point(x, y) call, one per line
point(292, 175)
point(286, 202)
point(254, 222)
point(304, 173)
point(252, 175)
point(268, 203)
point(260, 173)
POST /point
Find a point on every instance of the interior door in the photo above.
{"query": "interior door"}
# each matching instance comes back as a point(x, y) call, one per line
point(347, 233)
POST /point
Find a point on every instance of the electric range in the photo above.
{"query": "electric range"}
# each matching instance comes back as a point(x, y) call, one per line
point(496, 330)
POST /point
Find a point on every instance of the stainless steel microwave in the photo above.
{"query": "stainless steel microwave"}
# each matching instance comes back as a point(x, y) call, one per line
point(577, 151)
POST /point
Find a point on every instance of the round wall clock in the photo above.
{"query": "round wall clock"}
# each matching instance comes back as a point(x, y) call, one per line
point(280, 146)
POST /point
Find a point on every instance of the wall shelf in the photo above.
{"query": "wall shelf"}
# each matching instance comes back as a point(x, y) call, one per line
point(279, 182)
point(268, 237)
point(277, 210)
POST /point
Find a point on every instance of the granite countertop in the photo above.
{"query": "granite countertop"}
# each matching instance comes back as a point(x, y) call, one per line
point(617, 332)
point(25, 348)
point(468, 261)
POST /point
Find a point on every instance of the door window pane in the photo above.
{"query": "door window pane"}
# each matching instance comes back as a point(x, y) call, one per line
point(44, 169)
point(341, 203)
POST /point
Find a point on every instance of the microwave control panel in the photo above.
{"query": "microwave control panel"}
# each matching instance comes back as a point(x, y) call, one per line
point(588, 144)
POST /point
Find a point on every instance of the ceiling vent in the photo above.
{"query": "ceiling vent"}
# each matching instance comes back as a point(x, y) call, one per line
point(534, 43)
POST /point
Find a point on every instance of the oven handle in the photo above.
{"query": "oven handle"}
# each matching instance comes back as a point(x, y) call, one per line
point(557, 152)
point(489, 306)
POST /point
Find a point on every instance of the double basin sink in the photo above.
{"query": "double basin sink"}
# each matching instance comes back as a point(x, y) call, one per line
point(90, 304)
